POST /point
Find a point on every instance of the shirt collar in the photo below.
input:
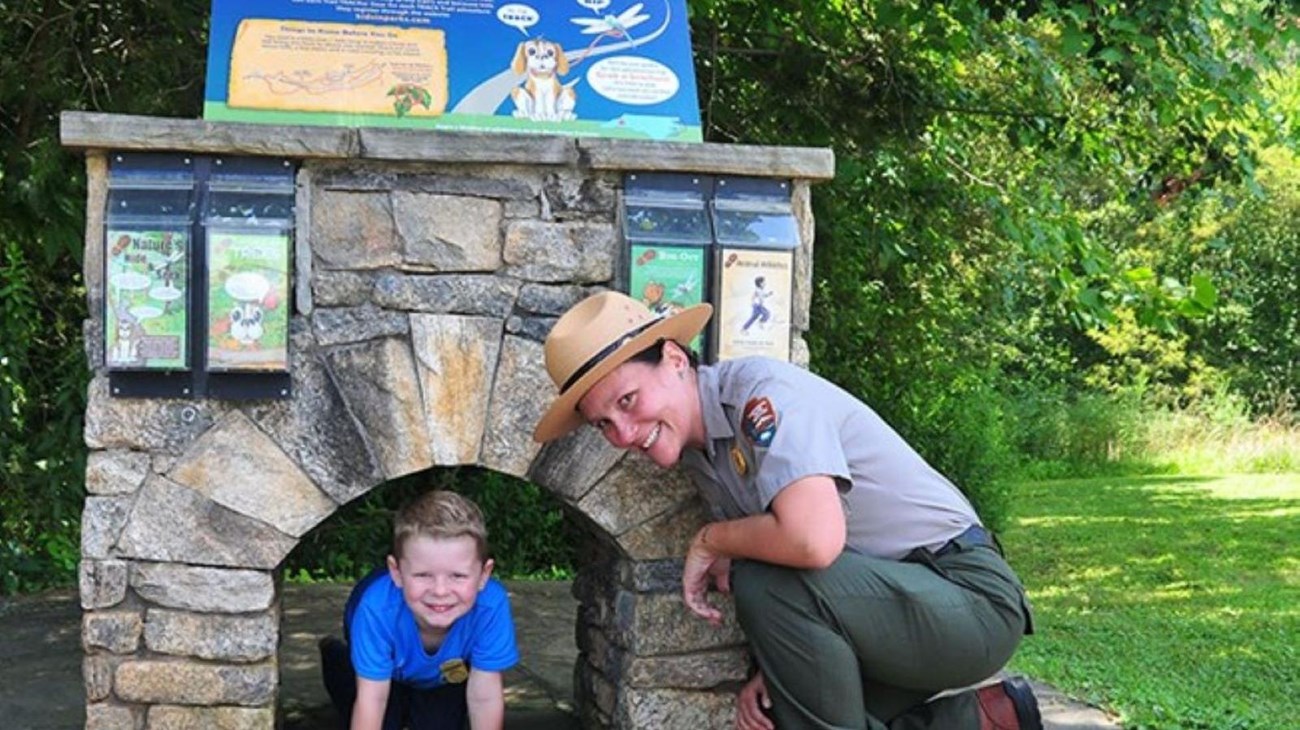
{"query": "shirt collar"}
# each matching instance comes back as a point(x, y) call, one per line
point(716, 424)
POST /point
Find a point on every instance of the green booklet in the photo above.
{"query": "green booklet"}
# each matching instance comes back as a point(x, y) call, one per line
point(248, 300)
point(146, 313)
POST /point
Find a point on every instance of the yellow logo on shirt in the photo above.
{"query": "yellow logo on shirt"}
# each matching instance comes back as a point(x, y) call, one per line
point(738, 460)
point(454, 671)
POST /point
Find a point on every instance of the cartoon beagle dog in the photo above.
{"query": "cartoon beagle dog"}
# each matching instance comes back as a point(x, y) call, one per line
point(542, 98)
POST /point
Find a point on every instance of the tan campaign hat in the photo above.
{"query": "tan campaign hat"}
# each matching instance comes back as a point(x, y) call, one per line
point(597, 335)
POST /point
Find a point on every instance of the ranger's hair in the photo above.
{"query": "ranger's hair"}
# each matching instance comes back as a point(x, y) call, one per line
point(440, 515)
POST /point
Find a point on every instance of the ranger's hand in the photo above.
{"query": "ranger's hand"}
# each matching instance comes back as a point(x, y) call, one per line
point(750, 704)
point(701, 565)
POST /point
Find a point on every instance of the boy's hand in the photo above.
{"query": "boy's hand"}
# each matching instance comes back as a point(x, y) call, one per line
point(702, 564)
point(750, 704)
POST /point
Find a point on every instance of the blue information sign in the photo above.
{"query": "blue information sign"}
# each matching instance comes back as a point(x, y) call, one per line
point(608, 68)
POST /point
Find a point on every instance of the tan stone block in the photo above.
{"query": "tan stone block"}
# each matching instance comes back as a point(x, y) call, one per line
point(116, 471)
point(677, 709)
point(171, 717)
point(239, 467)
point(173, 523)
point(178, 682)
point(698, 670)
point(457, 357)
point(105, 716)
point(166, 426)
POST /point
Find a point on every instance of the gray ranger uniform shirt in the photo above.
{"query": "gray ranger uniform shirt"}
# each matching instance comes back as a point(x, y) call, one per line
point(769, 423)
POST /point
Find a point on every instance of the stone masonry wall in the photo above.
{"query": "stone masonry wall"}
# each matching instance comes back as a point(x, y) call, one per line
point(425, 284)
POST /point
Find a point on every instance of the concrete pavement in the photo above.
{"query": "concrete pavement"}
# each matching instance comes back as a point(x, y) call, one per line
point(41, 683)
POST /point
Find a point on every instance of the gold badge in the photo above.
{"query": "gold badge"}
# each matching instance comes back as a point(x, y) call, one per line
point(454, 671)
point(738, 460)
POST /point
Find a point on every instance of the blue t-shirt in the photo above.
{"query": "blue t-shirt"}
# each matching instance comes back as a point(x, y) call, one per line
point(385, 640)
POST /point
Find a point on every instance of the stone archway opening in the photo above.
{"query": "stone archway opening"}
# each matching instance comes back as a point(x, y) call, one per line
point(537, 568)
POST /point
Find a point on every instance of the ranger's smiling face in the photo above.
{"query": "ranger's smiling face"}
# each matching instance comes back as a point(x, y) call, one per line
point(653, 409)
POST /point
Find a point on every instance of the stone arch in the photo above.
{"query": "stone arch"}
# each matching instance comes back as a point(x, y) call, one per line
point(426, 279)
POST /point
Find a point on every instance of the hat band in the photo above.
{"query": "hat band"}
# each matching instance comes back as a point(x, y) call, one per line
point(605, 352)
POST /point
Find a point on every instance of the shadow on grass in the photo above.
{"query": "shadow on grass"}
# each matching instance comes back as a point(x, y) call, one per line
point(1172, 600)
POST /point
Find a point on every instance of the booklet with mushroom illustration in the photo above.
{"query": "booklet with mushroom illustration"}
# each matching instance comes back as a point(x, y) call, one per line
point(146, 313)
point(248, 292)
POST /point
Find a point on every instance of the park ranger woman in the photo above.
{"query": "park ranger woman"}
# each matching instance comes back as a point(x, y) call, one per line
point(863, 579)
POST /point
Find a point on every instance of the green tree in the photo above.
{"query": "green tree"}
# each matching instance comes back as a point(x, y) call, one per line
point(132, 57)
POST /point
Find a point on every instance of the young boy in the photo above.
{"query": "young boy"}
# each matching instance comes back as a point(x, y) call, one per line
point(429, 636)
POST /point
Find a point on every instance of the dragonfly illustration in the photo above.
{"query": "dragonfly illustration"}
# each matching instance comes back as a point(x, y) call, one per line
point(685, 288)
point(614, 26)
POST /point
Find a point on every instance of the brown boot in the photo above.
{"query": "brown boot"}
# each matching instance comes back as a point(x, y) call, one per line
point(1009, 705)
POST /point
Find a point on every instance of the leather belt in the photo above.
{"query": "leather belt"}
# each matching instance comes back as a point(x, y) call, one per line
point(974, 536)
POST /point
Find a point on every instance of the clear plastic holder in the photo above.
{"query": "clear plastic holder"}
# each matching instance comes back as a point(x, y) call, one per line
point(147, 261)
point(662, 208)
point(248, 219)
point(249, 206)
point(754, 212)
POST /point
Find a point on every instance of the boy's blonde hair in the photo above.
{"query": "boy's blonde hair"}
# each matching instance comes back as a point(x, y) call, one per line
point(440, 515)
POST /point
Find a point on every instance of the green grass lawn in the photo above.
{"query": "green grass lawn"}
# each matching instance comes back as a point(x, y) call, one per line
point(1173, 602)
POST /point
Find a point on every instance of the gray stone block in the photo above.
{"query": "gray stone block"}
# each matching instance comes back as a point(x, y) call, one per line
point(172, 523)
point(447, 293)
point(220, 637)
point(180, 682)
point(315, 429)
point(341, 288)
point(102, 520)
point(97, 676)
point(195, 588)
point(172, 717)
point(380, 385)
point(517, 403)
point(102, 583)
point(448, 233)
point(115, 631)
point(351, 230)
point(580, 252)
point(336, 326)
point(116, 471)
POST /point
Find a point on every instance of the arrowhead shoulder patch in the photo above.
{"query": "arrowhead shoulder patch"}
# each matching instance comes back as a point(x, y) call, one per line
point(759, 421)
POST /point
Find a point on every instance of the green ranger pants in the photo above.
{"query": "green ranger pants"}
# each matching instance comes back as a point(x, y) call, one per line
point(867, 641)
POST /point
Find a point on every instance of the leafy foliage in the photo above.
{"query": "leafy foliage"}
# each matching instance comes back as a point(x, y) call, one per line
point(527, 529)
point(123, 57)
point(977, 247)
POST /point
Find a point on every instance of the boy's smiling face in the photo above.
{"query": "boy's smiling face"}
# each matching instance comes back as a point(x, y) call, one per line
point(440, 579)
